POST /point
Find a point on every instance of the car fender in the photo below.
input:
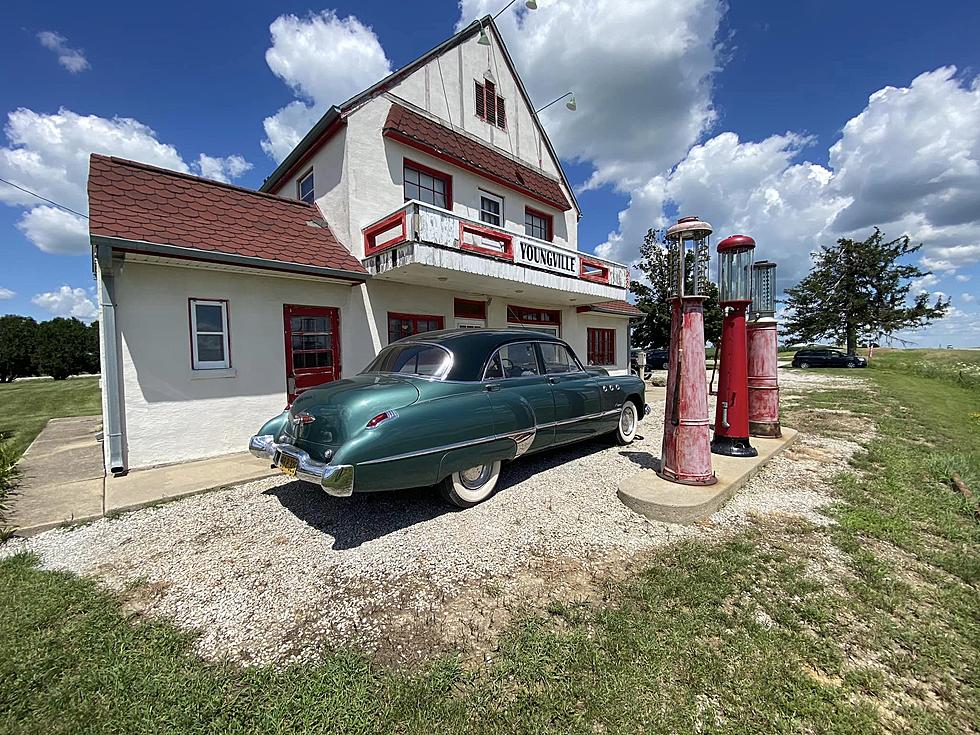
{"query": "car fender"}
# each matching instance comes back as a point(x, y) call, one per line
point(275, 425)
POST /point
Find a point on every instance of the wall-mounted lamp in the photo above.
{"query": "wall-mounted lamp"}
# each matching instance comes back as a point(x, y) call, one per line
point(570, 104)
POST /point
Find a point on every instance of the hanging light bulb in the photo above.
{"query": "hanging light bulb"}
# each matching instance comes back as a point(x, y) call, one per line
point(484, 39)
point(571, 103)
point(531, 5)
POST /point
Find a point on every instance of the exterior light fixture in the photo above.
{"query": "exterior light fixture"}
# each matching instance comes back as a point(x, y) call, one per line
point(531, 5)
point(484, 39)
point(570, 104)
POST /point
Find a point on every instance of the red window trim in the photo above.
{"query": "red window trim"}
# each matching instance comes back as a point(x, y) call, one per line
point(371, 233)
point(435, 173)
point(601, 277)
point(190, 328)
point(481, 306)
point(516, 314)
point(496, 108)
point(506, 240)
point(402, 316)
point(601, 346)
point(546, 217)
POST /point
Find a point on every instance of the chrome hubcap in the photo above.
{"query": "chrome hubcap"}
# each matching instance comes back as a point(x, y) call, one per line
point(627, 420)
point(475, 477)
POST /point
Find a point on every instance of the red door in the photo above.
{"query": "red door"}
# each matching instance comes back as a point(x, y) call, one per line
point(312, 347)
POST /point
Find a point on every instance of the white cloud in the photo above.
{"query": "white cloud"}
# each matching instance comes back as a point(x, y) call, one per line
point(48, 154)
point(325, 60)
point(6, 293)
point(67, 301)
point(222, 169)
point(891, 167)
point(968, 297)
point(73, 59)
point(641, 72)
point(54, 230)
point(962, 278)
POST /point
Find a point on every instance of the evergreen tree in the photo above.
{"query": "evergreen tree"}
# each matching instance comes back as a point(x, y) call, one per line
point(653, 296)
point(858, 289)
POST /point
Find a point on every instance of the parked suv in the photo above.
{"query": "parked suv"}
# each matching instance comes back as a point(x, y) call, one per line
point(819, 357)
point(657, 359)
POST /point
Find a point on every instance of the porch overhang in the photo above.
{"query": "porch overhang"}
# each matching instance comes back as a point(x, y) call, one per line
point(424, 245)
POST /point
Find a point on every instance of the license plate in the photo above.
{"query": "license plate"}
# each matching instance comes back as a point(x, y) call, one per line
point(287, 464)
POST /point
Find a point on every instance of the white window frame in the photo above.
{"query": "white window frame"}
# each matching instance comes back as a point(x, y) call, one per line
point(299, 187)
point(196, 363)
point(462, 323)
point(492, 197)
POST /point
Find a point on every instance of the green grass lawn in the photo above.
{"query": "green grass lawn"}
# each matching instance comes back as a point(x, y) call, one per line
point(737, 637)
point(26, 406)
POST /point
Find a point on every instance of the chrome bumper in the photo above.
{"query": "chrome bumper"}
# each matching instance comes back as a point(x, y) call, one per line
point(335, 479)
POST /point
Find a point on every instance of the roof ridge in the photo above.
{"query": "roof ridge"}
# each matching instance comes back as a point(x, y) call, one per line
point(204, 180)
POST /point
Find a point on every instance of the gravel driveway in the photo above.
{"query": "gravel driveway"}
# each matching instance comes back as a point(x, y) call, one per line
point(274, 571)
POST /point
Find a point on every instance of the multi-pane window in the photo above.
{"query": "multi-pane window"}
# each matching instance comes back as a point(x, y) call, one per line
point(602, 346)
point(209, 334)
point(405, 325)
point(537, 224)
point(304, 188)
point(540, 320)
point(490, 105)
point(491, 209)
point(427, 186)
point(311, 339)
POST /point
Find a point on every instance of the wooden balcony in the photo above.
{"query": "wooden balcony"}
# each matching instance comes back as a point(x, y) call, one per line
point(419, 243)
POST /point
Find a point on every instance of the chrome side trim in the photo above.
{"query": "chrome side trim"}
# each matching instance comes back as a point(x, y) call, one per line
point(336, 480)
point(587, 417)
point(523, 440)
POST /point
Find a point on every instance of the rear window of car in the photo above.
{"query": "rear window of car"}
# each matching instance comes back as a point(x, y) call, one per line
point(408, 359)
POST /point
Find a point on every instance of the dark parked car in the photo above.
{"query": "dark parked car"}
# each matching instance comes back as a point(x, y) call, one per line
point(819, 357)
point(657, 359)
point(448, 407)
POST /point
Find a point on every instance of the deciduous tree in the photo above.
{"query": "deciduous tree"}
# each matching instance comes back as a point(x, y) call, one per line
point(18, 338)
point(858, 289)
point(66, 347)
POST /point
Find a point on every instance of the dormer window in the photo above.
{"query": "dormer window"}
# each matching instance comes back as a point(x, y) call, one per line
point(490, 105)
point(304, 188)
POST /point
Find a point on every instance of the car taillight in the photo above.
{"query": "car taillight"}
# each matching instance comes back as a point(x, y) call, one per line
point(380, 419)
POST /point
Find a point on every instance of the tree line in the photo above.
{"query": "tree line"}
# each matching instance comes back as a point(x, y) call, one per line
point(58, 347)
point(856, 291)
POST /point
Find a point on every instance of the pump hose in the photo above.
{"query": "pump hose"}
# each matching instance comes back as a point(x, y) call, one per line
point(714, 367)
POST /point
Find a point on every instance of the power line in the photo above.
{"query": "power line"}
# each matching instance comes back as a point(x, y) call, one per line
point(45, 199)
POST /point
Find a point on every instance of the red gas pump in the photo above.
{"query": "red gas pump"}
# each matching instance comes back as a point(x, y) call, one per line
point(735, 294)
point(763, 353)
point(686, 453)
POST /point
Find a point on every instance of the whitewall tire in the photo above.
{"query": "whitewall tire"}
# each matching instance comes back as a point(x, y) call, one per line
point(470, 487)
point(626, 427)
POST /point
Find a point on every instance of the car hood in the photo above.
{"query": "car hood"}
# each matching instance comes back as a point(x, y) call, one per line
point(342, 408)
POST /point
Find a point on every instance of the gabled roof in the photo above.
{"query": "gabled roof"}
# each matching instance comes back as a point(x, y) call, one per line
point(423, 133)
point(139, 206)
point(619, 308)
point(335, 117)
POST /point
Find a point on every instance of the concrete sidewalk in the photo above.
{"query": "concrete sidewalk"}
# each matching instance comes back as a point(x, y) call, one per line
point(62, 480)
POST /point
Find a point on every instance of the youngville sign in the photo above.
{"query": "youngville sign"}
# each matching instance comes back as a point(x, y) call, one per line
point(551, 259)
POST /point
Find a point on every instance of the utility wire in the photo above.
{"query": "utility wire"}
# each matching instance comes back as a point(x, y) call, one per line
point(45, 199)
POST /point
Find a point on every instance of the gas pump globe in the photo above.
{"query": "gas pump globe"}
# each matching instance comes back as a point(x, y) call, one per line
point(686, 452)
point(763, 352)
point(731, 438)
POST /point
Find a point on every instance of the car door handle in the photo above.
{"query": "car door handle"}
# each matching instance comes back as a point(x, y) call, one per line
point(492, 386)
point(552, 380)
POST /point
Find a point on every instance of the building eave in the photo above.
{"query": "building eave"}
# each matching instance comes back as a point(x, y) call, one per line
point(120, 245)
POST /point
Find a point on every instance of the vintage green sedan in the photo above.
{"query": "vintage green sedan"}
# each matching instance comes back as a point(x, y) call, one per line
point(448, 407)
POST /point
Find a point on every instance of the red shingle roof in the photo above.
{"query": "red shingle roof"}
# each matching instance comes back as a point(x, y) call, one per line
point(614, 307)
point(134, 201)
point(427, 135)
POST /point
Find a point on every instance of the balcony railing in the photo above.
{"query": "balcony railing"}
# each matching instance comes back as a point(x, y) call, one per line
point(417, 221)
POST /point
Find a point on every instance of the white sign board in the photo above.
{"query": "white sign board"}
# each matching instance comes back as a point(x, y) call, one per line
point(556, 260)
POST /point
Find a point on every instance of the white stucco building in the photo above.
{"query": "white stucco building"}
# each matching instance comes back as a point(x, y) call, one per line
point(432, 200)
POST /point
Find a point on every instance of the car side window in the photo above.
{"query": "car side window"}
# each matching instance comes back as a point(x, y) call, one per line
point(515, 361)
point(494, 370)
point(556, 358)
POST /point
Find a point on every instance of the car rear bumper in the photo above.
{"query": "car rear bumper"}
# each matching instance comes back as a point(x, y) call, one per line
point(336, 479)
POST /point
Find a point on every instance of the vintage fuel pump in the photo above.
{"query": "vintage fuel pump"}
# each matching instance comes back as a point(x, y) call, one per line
point(734, 295)
point(763, 346)
point(686, 453)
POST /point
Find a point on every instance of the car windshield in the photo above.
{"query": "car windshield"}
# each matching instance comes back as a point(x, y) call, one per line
point(412, 359)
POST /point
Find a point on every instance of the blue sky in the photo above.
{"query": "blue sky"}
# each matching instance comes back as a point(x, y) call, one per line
point(727, 111)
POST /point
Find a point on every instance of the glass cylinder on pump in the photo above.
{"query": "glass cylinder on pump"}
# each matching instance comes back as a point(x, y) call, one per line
point(763, 349)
